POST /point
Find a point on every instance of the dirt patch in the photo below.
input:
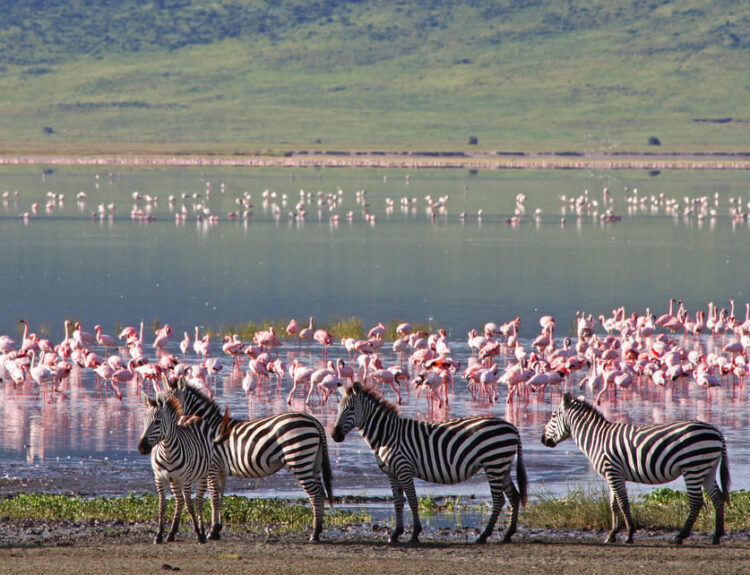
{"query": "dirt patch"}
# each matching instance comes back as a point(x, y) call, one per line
point(116, 547)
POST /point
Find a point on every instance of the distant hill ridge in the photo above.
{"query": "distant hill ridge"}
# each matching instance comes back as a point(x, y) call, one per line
point(595, 74)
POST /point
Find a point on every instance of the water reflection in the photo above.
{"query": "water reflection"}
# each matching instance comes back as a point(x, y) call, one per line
point(86, 420)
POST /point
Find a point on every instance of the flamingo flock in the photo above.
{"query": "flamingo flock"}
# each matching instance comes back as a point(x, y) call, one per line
point(329, 206)
point(603, 357)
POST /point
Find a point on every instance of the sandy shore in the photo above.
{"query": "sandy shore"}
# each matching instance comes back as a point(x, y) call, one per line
point(65, 547)
point(484, 160)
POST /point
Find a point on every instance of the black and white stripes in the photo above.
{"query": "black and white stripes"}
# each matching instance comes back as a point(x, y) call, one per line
point(650, 454)
point(181, 455)
point(444, 452)
point(261, 447)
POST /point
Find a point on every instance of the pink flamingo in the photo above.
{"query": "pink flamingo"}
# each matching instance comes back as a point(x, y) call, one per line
point(185, 344)
point(307, 332)
point(323, 338)
point(163, 336)
point(202, 346)
point(344, 371)
point(377, 331)
point(104, 340)
point(83, 338)
point(292, 328)
point(28, 342)
point(387, 377)
point(267, 339)
point(316, 381)
point(300, 377)
point(234, 347)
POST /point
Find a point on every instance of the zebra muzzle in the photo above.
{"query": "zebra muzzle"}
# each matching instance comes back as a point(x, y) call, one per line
point(144, 447)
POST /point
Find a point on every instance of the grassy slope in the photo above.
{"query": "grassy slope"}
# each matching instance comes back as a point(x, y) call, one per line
point(235, 76)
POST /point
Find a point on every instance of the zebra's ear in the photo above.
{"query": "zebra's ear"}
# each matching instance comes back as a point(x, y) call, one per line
point(181, 383)
point(356, 387)
point(567, 399)
point(166, 382)
point(147, 401)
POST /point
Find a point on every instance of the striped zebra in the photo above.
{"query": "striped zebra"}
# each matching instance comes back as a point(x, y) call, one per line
point(260, 447)
point(648, 454)
point(444, 452)
point(181, 456)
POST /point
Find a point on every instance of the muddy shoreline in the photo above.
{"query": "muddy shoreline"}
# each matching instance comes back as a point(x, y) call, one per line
point(116, 547)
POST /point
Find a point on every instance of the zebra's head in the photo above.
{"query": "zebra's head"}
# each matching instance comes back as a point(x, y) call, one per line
point(350, 412)
point(557, 428)
point(161, 418)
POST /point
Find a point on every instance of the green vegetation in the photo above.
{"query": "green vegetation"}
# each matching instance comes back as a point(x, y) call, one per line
point(662, 509)
point(338, 326)
point(237, 77)
point(239, 512)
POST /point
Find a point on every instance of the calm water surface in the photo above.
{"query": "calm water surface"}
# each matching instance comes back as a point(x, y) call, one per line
point(454, 272)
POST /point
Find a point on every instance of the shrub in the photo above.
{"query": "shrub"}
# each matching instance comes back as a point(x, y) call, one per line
point(654, 141)
point(473, 140)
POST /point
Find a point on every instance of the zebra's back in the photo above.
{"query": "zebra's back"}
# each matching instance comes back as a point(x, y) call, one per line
point(260, 447)
point(452, 451)
point(654, 454)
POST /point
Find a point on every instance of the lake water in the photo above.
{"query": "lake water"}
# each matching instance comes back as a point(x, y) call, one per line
point(449, 270)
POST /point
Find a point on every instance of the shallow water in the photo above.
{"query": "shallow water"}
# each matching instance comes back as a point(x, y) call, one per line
point(450, 271)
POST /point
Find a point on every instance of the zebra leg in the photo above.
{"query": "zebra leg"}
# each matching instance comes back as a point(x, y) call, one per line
point(498, 500)
point(200, 490)
point(695, 498)
point(618, 497)
point(216, 484)
point(186, 495)
point(411, 496)
point(717, 498)
point(515, 504)
point(314, 489)
point(179, 503)
point(160, 489)
point(398, 506)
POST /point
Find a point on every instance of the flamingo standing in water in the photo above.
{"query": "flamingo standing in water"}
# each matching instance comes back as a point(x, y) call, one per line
point(300, 377)
point(307, 332)
point(185, 344)
point(292, 328)
point(104, 340)
point(201, 346)
point(323, 338)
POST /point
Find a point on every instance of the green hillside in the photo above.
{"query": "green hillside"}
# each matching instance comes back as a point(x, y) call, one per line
point(248, 75)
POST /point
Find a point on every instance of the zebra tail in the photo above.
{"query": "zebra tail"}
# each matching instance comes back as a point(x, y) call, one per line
point(724, 473)
point(326, 466)
point(521, 474)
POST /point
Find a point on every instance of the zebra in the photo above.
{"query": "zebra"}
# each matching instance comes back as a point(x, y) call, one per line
point(260, 447)
point(181, 455)
point(648, 454)
point(441, 452)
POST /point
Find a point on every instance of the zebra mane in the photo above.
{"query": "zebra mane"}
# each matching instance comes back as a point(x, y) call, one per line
point(376, 397)
point(581, 404)
point(200, 395)
point(168, 400)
